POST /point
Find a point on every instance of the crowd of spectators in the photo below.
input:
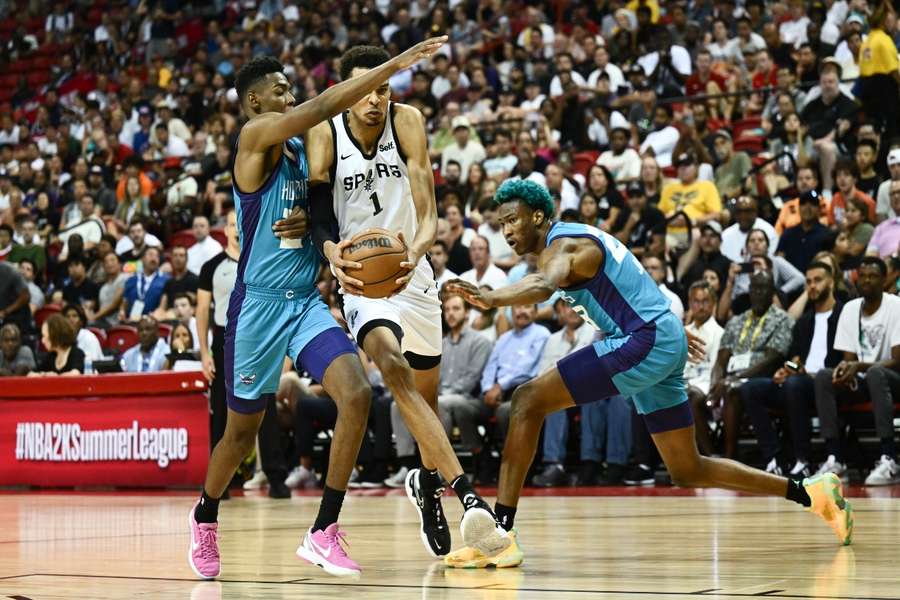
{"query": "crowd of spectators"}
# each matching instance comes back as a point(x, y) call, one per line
point(746, 151)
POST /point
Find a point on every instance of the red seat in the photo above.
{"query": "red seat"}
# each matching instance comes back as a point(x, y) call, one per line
point(185, 238)
point(101, 335)
point(583, 161)
point(121, 337)
point(218, 234)
point(43, 313)
point(165, 330)
point(38, 79)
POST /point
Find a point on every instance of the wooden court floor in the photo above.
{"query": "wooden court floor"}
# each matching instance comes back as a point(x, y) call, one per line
point(710, 546)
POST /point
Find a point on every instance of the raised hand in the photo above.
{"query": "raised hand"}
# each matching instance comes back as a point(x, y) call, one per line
point(420, 51)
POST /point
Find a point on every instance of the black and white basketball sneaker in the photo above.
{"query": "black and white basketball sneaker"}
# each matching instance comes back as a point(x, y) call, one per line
point(434, 531)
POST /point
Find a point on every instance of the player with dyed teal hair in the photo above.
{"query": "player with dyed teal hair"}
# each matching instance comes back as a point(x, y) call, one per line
point(522, 190)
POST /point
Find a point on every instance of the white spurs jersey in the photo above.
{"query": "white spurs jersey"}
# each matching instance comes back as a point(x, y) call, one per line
point(371, 190)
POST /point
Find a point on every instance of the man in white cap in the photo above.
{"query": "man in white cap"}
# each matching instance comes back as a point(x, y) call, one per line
point(883, 208)
point(462, 150)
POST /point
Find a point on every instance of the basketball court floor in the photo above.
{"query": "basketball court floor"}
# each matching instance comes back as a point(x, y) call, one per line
point(631, 544)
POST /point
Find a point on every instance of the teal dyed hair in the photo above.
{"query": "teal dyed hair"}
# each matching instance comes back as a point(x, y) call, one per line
point(532, 194)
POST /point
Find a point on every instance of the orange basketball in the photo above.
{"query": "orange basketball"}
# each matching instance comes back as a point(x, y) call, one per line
point(380, 253)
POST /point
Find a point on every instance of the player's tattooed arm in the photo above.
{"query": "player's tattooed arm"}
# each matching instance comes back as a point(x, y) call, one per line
point(271, 129)
point(410, 128)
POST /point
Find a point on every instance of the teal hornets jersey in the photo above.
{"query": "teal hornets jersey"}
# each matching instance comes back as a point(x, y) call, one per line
point(621, 298)
point(267, 261)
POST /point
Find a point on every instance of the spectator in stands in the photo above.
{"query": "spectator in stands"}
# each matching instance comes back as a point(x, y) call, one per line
point(885, 240)
point(501, 254)
point(502, 161)
point(623, 162)
point(662, 139)
point(183, 355)
point(109, 298)
point(513, 361)
point(754, 344)
point(883, 208)
point(651, 180)
point(84, 339)
point(733, 166)
point(878, 69)
point(561, 187)
point(35, 293)
point(483, 270)
point(78, 289)
point(699, 199)
point(656, 268)
point(457, 237)
point(846, 175)
point(791, 387)
point(869, 179)
point(857, 227)
point(703, 254)
point(149, 355)
point(86, 224)
point(734, 238)
point(755, 259)
point(15, 359)
point(6, 241)
point(463, 150)
point(29, 246)
point(181, 279)
point(183, 309)
point(104, 197)
point(702, 300)
point(638, 220)
point(205, 247)
point(439, 255)
point(14, 297)
point(135, 204)
point(868, 333)
point(63, 357)
point(799, 243)
point(130, 248)
point(144, 292)
point(607, 199)
point(830, 118)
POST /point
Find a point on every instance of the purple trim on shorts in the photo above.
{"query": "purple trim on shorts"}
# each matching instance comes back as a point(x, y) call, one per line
point(248, 407)
point(589, 377)
point(322, 350)
point(235, 303)
point(669, 419)
point(250, 209)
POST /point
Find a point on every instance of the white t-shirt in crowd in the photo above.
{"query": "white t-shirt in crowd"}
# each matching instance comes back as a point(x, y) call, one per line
point(818, 347)
point(444, 277)
point(88, 343)
point(698, 374)
point(201, 252)
point(616, 77)
point(493, 276)
point(733, 240)
point(556, 88)
point(624, 167)
point(499, 248)
point(677, 306)
point(880, 332)
point(663, 143)
point(125, 244)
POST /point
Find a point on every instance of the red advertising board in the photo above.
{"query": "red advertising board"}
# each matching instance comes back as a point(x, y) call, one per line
point(138, 430)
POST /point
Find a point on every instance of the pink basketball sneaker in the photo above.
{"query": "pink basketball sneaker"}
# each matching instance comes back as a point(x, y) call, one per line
point(203, 554)
point(323, 548)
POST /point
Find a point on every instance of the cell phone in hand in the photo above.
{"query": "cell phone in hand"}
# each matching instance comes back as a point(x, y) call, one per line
point(792, 366)
point(747, 267)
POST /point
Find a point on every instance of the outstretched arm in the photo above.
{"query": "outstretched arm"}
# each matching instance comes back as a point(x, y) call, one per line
point(531, 289)
point(410, 129)
point(272, 129)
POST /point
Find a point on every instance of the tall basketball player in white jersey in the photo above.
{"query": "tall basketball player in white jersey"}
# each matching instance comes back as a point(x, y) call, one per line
point(369, 167)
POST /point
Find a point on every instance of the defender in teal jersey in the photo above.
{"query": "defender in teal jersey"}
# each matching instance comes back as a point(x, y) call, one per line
point(275, 309)
point(643, 356)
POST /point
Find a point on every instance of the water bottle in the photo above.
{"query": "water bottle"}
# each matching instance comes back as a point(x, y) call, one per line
point(88, 366)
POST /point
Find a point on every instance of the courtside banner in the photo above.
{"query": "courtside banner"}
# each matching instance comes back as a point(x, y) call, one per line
point(111, 430)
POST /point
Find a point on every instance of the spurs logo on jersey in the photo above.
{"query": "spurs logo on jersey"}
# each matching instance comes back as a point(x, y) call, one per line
point(371, 190)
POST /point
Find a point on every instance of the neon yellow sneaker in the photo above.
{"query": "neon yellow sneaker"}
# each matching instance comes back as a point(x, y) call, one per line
point(470, 558)
point(825, 491)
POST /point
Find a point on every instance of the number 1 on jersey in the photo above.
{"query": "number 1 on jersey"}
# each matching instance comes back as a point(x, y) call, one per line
point(374, 199)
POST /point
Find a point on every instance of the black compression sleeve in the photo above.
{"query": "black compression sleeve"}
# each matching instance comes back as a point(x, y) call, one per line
point(324, 223)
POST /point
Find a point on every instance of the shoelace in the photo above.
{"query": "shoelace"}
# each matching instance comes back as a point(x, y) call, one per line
point(338, 540)
point(208, 547)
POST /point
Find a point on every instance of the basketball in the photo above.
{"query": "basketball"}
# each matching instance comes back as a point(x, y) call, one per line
point(380, 253)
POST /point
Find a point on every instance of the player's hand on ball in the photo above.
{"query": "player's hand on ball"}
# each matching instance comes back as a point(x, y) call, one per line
point(422, 50)
point(471, 293)
point(334, 254)
point(293, 227)
point(409, 264)
point(696, 346)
